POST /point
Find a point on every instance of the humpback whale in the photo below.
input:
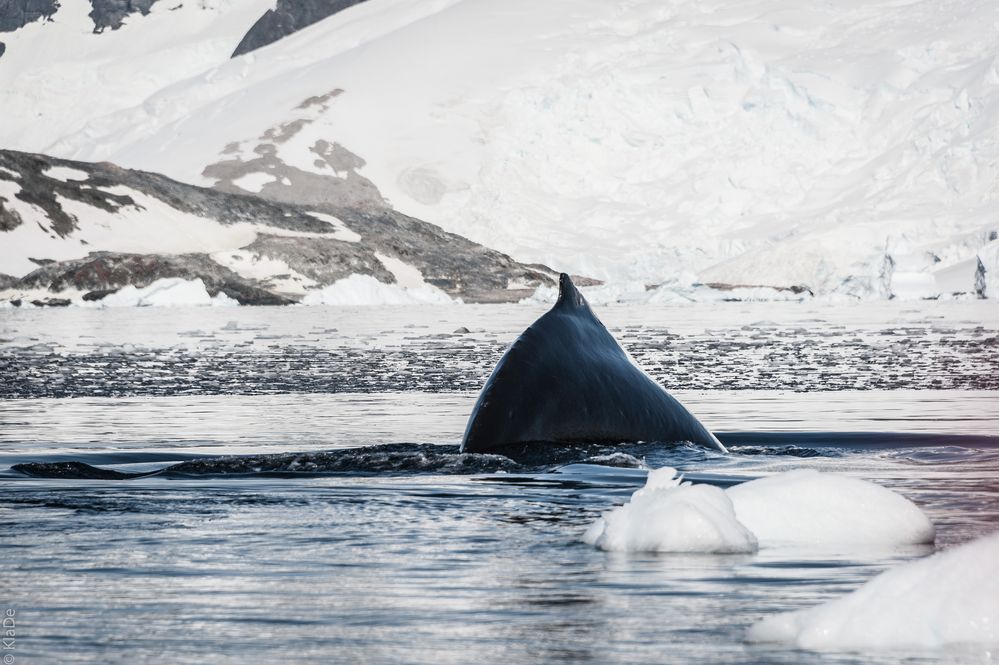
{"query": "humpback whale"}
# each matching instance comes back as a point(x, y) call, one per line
point(567, 380)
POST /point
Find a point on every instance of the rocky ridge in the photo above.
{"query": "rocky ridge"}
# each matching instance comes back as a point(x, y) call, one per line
point(67, 218)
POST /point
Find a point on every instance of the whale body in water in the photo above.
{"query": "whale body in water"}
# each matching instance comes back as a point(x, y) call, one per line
point(567, 380)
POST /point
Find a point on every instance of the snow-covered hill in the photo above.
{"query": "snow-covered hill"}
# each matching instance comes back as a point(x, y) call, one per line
point(79, 232)
point(851, 149)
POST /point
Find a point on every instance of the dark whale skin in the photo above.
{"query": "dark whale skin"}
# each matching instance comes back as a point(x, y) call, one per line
point(567, 380)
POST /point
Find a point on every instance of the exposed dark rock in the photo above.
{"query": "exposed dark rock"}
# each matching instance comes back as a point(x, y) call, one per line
point(796, 289)
point(579, 280)
point(342, 186)
point(323, 259)
point(41, 190)
point(99, 294)
point(111, 13)
point(105, 14)
point(16, 14)
point(51, 302)
point(454, 264)
point(3, 47)
point(9, 219)
point(289, 16)
point(109, 271)
point(6, 281)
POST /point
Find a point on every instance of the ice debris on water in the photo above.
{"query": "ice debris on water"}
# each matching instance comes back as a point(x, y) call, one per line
point(669, 515)
point(803, 507)
point(951, 598)
point(814, 508)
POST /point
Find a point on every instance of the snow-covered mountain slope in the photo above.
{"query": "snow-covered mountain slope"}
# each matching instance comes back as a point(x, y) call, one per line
point(59, 73)
point(74, 229)
point(851, 148)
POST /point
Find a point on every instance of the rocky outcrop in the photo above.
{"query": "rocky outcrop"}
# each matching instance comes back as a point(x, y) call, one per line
point(9, 220)
point(103, 273)
point(450, 262)
point(294, 248)
point(323, 260)
point(111, 13)
point(16, 14)
point(287, 17)
point(32, 173)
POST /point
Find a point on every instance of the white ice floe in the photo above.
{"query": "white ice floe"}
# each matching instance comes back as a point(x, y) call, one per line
point(366, 290)
point(800, 508)
point(807, 507)
point(951, 598)
point(668, 515)
point(167, 292)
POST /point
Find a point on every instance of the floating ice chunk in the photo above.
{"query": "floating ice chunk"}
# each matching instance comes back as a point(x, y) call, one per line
point(806, 507)
point(670, 516)
point(950, 598)
point(366, 290)
point(801, 508)
point(166, 292)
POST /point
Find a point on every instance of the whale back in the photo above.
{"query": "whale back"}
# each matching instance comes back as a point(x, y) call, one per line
point(567, 380)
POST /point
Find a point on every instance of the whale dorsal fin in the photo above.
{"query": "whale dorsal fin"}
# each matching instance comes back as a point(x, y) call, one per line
point(568, 295)
point(567, 380)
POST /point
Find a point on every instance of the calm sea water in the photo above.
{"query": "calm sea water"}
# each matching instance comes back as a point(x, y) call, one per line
point(415, 555)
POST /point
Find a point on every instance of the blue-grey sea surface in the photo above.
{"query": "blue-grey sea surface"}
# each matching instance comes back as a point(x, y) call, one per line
point(300, 498)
